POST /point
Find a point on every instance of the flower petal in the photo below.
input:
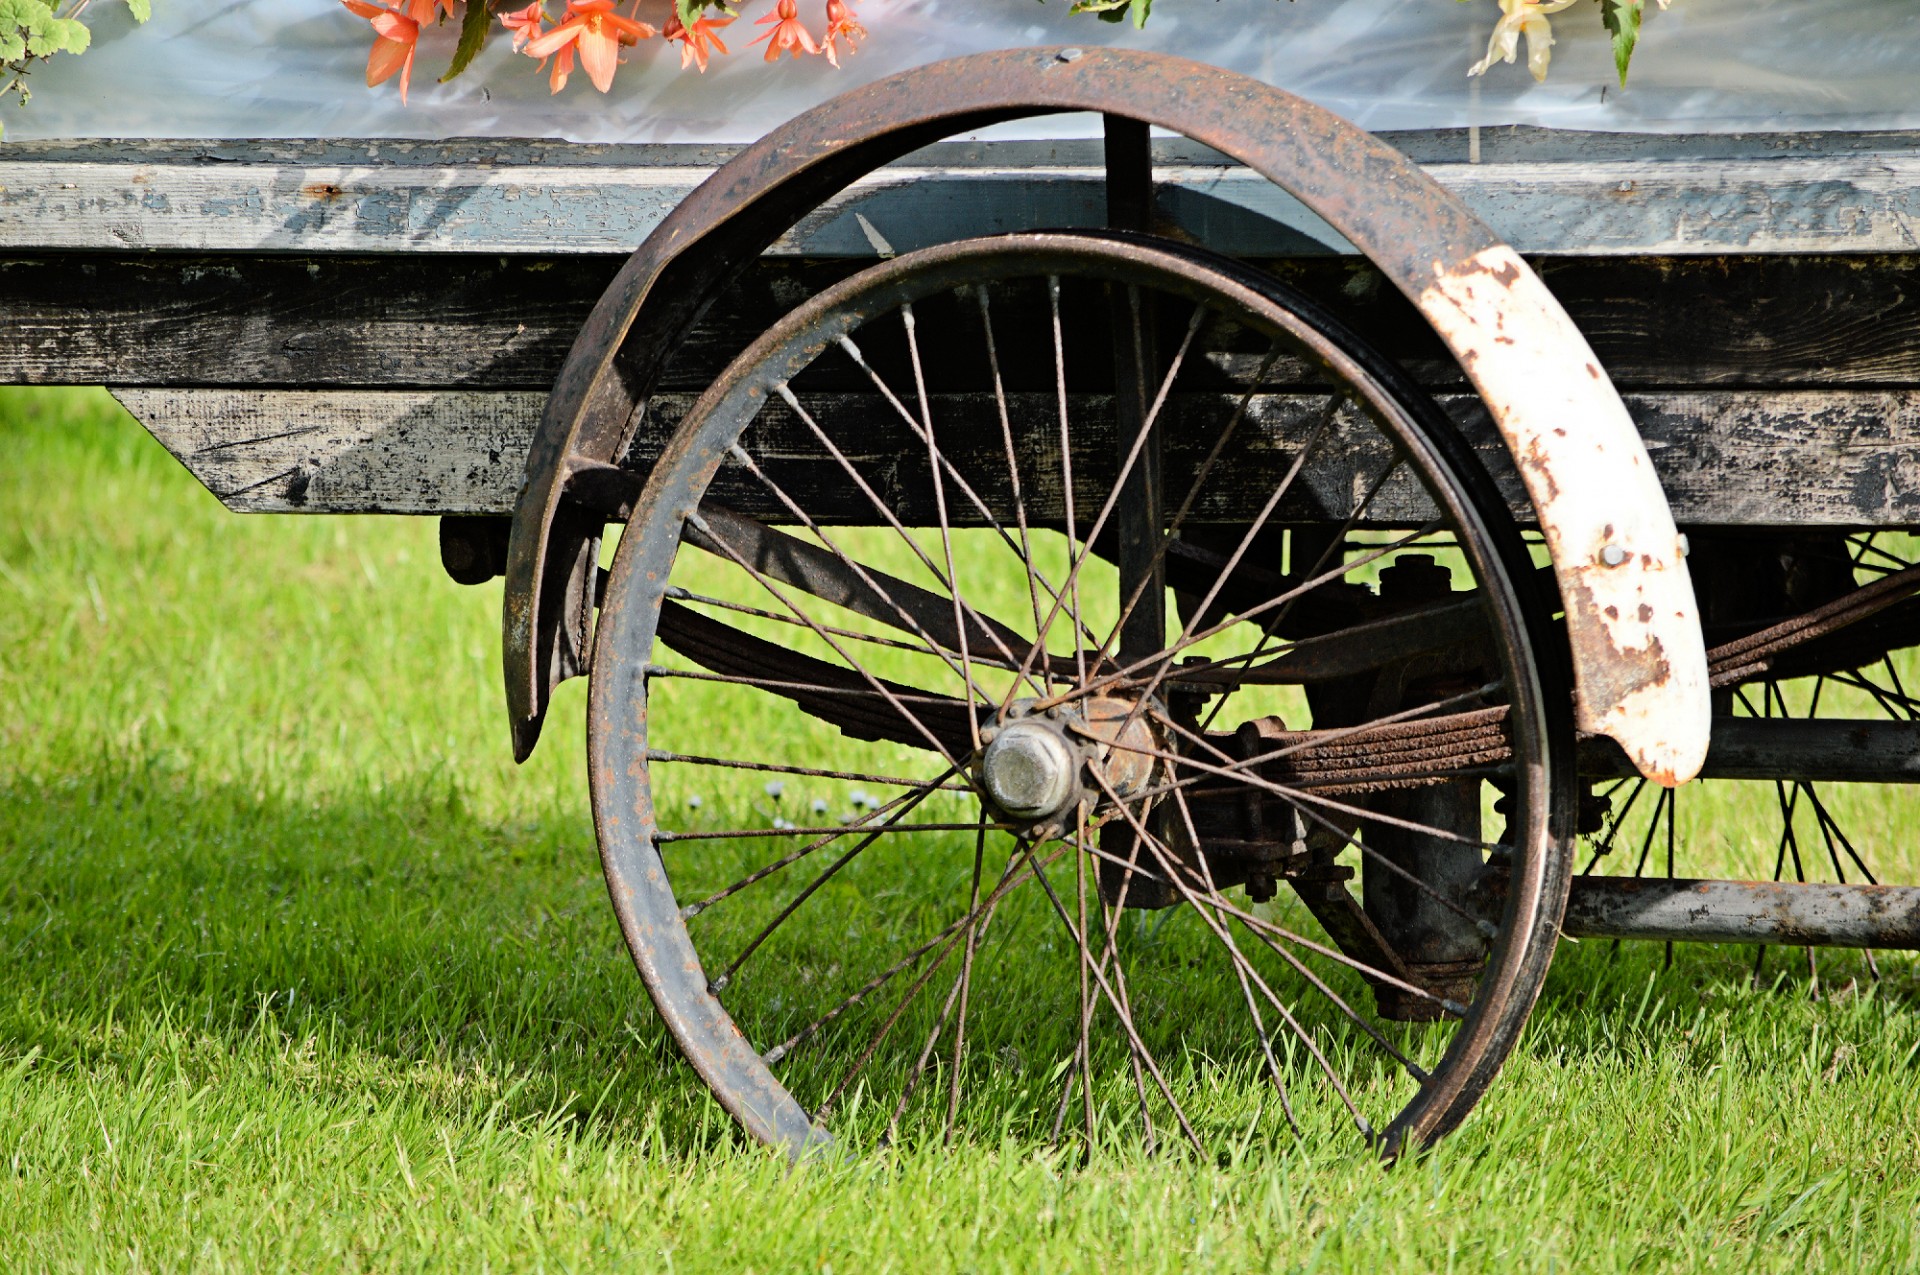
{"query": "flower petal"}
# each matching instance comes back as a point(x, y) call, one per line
point(599, 56)
point(386, 58)
point(555, 40)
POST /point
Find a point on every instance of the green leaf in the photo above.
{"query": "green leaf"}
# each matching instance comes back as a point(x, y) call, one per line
point(142, 9)
point(473, 35)
point(28, 14)
point(1116, 10)
point(1622, 18)
point(59, 35)
point(691, 11)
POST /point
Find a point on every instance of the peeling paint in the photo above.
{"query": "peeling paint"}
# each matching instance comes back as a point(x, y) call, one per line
point(1640, 666)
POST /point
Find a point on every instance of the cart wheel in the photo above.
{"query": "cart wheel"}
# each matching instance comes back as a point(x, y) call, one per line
point(1816, 727)
point(892, 867)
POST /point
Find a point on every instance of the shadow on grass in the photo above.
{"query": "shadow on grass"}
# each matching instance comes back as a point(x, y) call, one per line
point(389, 948)
point(394, 948)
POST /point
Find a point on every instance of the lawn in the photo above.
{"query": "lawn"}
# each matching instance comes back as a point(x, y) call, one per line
point(303, 972)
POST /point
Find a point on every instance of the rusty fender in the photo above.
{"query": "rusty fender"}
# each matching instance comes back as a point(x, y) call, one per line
point(1639, 660)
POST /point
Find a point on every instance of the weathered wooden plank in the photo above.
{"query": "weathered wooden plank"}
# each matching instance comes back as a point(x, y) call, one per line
point(281, 451)
point(506, 323)
point(1609, 197)
point(1727, 458)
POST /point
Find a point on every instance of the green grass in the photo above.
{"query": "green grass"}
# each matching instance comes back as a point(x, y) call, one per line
point(301, 971)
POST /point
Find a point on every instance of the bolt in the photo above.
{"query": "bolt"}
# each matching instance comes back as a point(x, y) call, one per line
point(1686, 546)
point(1029, 771)
point(1068, 55)
point(1614, 555)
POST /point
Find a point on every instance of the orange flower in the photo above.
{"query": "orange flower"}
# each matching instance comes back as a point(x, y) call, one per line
point(597, 32)
point(524, 23)
point(694, 42)
point(395, 38)
point(841, 23)
point(789, 35)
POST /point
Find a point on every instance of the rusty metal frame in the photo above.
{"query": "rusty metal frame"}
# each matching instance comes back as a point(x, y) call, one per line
point(1639, 658)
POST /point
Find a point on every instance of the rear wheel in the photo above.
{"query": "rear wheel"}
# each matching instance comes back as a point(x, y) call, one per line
point(1011, 666)
point(1816, 727)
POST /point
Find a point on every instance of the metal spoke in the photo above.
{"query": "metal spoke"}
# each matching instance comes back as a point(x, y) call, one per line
point(956, 998)
point(934, 458)
point(1165, 658)
point(966, 988)
point(1008, 881)
point(1336, 543)
point(679, 594)
point(919, 793)
point(1086, 963)
point(734, 834)
point(1066, 487)
point(966, 489)
point(1318, 739)
point(810, 772)
point(873, 834)
point(1359, 1020)
point(1294, 796)
point(781, 684)
point(920, 1064)
point(1126, 1020)
point(906, 1000)
point(1194, 489)
point(1132, 458)
point(696, 520)
point(1240, 976)
point(1233, 561)
point(1262, 925)
point(1025, 548)
point(1167, 866)
point(914, 625)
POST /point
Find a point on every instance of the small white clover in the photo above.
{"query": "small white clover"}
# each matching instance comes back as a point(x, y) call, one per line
point(819, 805)
point(694, 802)
point(774, 788)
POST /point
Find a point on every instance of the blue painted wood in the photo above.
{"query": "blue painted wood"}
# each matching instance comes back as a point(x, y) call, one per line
point(1548, 193)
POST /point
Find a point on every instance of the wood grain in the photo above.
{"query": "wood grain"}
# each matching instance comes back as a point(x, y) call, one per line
point(1727, 458)
point(506, 323)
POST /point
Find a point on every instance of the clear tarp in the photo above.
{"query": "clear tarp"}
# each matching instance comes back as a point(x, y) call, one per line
point(295, 68)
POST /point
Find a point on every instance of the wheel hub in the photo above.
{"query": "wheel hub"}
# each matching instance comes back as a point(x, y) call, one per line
point(1037, 765)
point(1030, 770)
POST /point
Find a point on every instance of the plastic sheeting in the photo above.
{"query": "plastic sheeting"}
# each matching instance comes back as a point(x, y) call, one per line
point(295, 68)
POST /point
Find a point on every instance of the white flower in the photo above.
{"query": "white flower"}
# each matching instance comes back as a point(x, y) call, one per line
point(1517, 18)
point(775, 788)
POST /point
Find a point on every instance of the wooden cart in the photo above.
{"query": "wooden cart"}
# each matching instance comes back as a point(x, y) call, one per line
point(1150, 525)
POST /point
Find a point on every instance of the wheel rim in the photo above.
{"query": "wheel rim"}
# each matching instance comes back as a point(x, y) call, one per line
point(1098, 769)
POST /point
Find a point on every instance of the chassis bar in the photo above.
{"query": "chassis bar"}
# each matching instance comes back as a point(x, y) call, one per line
point(1823, 750)
point(1788, 913)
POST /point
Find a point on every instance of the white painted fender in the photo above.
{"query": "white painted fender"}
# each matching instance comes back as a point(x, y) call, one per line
point(1640, 661)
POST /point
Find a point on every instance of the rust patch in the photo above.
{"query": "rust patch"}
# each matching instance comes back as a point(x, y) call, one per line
point(1618, 672)
point(320, 190)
